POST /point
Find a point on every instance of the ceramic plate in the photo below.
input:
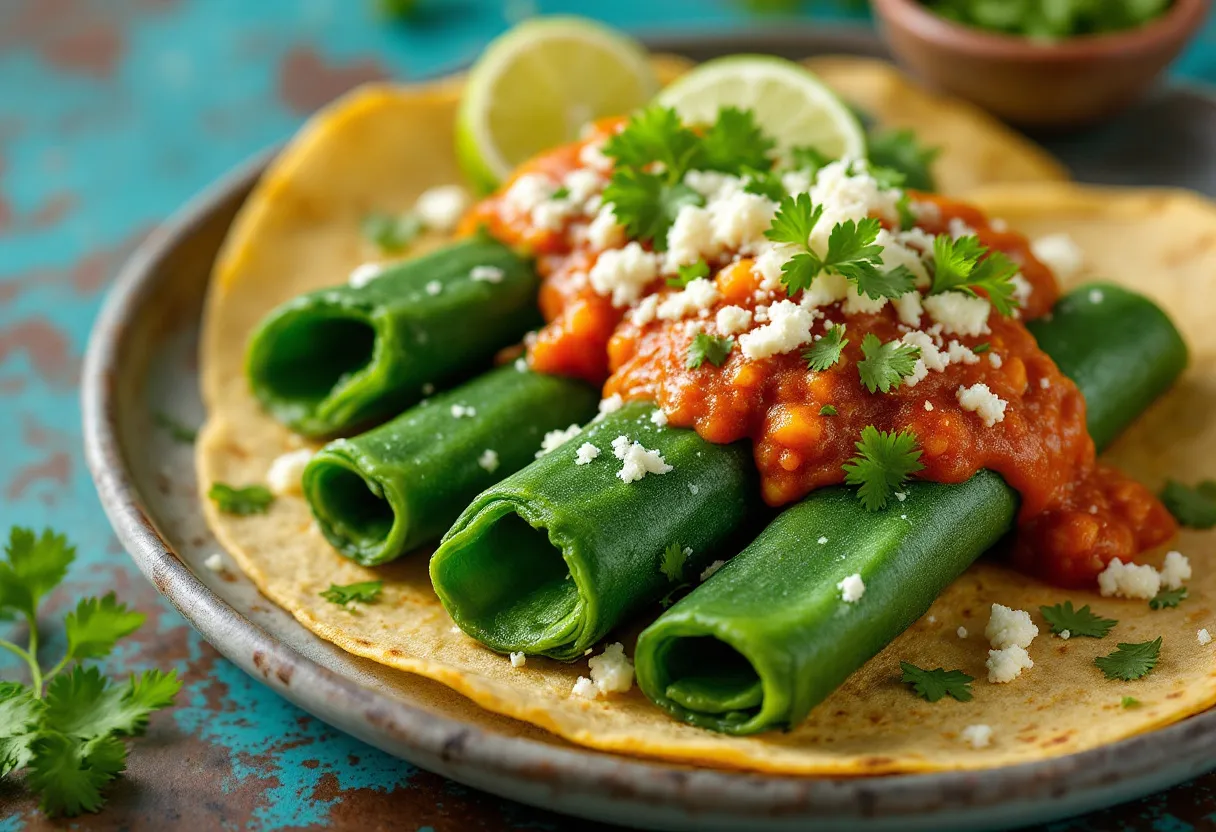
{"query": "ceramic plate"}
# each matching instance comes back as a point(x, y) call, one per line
point(141, 360)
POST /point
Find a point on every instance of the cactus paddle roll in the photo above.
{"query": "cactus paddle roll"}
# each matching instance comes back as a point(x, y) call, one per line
point(339, 359)
point(556, 555)
point(384, 492)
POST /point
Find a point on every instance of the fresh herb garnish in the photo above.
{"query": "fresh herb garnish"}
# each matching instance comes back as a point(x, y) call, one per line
point(900, 150)
point(883, 464)
point(824, 353)
point(1082, 622)
point(66, 728)
point(1051, 21)
point(961, 266)
point(561, 193)
point(1194, 507)
point(766, 183)
point(672, 562)
point(827, 410)
point(735, 144)
point(1130, 702)
point(1168, 598)
point(647, 204)
point(885, 366)
point(809, 159)
point(907, 217)
point(711, 348)
point(252, 499)
point(980, 349)
point(364, 592)
point(687, 274)
point(391, 232)
point(176, 430)
point(932, 685)
point(1130, 661)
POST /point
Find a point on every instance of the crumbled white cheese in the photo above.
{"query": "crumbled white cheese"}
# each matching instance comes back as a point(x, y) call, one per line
point(459, 411)
point(690, 239)
point(1175, 571)
point(440, 208)
point(488, 460)
point(909, 306)
point(958, 313)
point(527, 192)
point(611, 671)
point(487, 274)
point(215, 562)
point(1065, 634)
point(592, 155)
point(1127, 580)
point(605, 232)
point(995, 360)
point(521, 366)
point(847, 192)
point(1007, 664)
point(623, 273)
point(1022, 290)
point(732, 320)
point(928, 405)
point(856, 303)
point(789, 327)
point(551, 215)
point(586, 454)
point(658, 418)
point(827, 288)
point(977, 736)
point(983, 402)
point(364, 273)
point(1044, 383)
point(693, 488)
point(698, 296)
point(822, 540)
point(434, 287)
point(518, 660)
point(711, 569)
point(1096, 296)
point(585, 688)
point(959, 228)
point(896, 254)
point(646, 311)
point(739, 220)
point(711, 184)
point(286, 472)
point(958, 354)
point(583, 183)
point(1008, 627)
point(1059, 253)
point(637, 461)
point(851, 589)
point(961, 632)
point(611, 404)
point(554, 439)
point(769, 262)
point(1205, 638)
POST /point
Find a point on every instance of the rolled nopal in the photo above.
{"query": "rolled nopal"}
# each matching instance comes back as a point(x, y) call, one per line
point(382, 493)
point(341, 358)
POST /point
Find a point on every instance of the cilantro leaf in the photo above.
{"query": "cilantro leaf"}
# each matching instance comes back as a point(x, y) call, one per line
point(1168, 598)
point(827, 410)
point(1130, 702)
point(562, 192)
point(70, 773)
point(980, 349)
point(20, 714)
point(646, 205)
point(687, 274)
point(887, 179)
point(965, 265)
point(34, 566)
point(809, 159)
point(366, 592)
point(825, 352)
point(735, 143)
point(794, 221)
point(85, 704)
point(96, 624)
point(176, 430)
point(884, 366)
point(252, 499)
point(654, 134)
point(800, 271)
point(854, 253)
point(907, 217)
point(1080, 622)
point(764, 183)
point(932, 685)
point(713, 349)
point(391, 232)
point(1131, 661)
point(672, 562)
point(1195, 507)
point(883, 464)
point(900, 150)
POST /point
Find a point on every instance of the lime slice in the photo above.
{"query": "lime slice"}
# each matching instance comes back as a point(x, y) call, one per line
point(538, 84)
point(791, 104)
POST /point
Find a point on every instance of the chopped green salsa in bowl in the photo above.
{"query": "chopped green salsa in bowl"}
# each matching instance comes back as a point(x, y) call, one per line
point(1051, 19)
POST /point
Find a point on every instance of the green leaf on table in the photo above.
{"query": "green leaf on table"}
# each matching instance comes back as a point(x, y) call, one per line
point(69, 773)
point(933, 685)
point(34, 565)
point(1082, 622)
point(20, 715)
point(97, 624)
point(883, 463)
point(251, 499)
point(1130, 661)
point(364, 592)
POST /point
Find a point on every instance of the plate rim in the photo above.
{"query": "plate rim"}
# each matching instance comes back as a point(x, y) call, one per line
point(659, 792)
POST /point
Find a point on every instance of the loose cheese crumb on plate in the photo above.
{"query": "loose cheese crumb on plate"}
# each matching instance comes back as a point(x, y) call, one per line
point(286, 472)
point(1128, 580)
point(1175, 571)
point(611, 671)
point(440, 208)
point(215, 563)
point(1059, 253)
point(1007, 664)
point(488, 460)
point(962, 632)
point(1205, 638)
point(977, 736)
point(585, 688)
point(518, 660)
point(364, 274)
point(1008, 627)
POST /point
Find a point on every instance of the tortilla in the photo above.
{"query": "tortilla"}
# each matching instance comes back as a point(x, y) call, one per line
point(379, 148)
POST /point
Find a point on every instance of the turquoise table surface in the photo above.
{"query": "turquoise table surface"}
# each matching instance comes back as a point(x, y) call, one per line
point(112, 114)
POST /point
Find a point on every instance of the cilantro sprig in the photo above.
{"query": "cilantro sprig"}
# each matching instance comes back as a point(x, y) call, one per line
point(1167, 598)
point(852, 251)
point(1131, 661)
point(966, 265)
point(364, 592)
point(1082, 622)
point(66, 728)
point(671, 564)
point(688, 273)
point(933, 685)
point(391, 233)
point(711, 348)
point(901, 151)
point(824, 353)
point(251, 499)
point(884, 366)
point(1193, 507)
point(883, 463)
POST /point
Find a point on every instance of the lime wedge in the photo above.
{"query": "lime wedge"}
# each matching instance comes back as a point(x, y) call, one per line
point(791, 104)
point(537, 85)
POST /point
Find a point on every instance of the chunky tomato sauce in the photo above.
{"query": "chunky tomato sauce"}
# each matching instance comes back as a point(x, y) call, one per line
point(1075, 515)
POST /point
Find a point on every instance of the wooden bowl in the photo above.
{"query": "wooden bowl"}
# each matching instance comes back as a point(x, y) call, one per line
point(1068, 83)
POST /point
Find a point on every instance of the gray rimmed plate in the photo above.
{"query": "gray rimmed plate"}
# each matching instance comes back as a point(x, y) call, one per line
point(140, 362)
